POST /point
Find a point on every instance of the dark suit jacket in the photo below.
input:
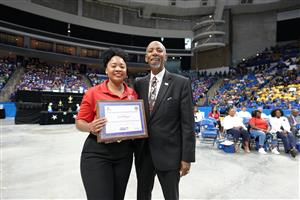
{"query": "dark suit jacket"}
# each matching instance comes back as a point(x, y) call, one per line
point(171, 123)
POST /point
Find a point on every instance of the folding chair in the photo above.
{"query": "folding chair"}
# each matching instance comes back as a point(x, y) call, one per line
point(208, 131)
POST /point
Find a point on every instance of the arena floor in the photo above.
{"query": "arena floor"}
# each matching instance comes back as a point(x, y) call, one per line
point(42, 162)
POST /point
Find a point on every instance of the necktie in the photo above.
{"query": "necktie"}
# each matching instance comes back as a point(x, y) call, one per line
point(152, 95)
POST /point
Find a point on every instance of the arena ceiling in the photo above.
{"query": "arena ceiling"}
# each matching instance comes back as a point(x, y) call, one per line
point(202, 7)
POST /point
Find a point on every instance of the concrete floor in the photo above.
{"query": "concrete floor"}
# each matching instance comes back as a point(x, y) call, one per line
point(42, 162)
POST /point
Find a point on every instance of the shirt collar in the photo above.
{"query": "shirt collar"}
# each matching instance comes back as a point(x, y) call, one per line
point(104, 89)
point(159, 76)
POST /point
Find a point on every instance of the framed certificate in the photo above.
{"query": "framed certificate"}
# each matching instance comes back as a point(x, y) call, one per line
point(125, 120)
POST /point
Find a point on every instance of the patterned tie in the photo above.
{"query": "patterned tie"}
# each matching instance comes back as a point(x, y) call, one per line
point(152, 96)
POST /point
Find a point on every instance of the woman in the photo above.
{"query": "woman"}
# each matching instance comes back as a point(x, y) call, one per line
point(214, 113)
point(105, 167)
point(234, 126)
point(259, 128)
point(281, 127)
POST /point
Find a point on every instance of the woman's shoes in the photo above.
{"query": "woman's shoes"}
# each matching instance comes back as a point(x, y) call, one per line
point(236, 148)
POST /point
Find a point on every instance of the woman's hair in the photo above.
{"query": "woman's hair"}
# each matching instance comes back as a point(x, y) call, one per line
point(111, 52)
point(254, 113)
point(274, 111)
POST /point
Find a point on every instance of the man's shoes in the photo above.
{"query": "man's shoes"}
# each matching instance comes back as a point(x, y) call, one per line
point(293, 152)
point(262, 151)
point(275, 151)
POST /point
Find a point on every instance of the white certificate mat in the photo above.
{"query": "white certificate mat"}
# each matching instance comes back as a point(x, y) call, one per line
point(122, 118)
point(125, 120)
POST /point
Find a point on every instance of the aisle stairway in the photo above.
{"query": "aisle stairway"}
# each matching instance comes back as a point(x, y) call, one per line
point(9, 88)
point(213, 90)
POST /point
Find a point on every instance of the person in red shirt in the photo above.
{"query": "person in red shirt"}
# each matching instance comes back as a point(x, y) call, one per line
point(259, 127)
point(105, 167)
point(215, 114)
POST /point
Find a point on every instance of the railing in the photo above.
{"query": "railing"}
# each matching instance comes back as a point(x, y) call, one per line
point(17, 29)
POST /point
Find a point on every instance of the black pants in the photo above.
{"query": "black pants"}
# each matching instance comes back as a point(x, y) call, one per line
point(105, 169)
point(236, 134)
point(145, 171)
point(289, 140)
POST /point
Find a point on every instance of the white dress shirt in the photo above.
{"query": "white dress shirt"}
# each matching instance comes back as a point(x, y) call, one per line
point(198, 116)
point(264, 116)
point(159, 78)
point(235, 121)
point(276, 124)
point(244, 114)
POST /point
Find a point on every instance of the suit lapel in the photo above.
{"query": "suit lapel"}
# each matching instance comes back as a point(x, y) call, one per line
point(162, 92)
point(144, 95)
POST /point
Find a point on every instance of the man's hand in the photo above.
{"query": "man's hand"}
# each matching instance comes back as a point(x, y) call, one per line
point(184, 168)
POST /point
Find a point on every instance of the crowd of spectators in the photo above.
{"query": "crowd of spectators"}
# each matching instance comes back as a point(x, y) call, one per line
point(201, 82)
point(7, 67)
point(269, 85)
point(51, 77)
point(96, 78)
point(271, 55)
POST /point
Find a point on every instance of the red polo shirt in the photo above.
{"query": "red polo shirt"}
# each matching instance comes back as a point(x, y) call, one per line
point(101, 92)
point(259, 123)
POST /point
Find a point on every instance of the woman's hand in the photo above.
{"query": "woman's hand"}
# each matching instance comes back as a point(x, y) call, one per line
point(97, 125)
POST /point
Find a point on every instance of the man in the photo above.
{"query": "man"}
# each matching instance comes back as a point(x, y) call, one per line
point(170, 148)
point(294, 120)
point(244, 113)
point(263, 115)
point(234, 126)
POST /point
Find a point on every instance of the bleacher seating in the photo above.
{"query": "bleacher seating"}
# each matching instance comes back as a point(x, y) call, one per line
point(7, 67)
point(48, 77)
point(272, 80)
point(96, 78)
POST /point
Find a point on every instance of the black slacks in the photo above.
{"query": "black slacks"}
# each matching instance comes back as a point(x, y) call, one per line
point(145, 171)
point(105, 169)
point(236, 134)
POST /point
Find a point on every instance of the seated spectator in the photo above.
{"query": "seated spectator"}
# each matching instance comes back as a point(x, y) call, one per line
point(281, 127)
point(198, 117)
point(244, 113)
point(259, 128)
point(235, 127)
point(294, 119)
point(263, 115)
point(215, 114)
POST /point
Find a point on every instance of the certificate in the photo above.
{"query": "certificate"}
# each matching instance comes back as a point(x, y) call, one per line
point(125, 120)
